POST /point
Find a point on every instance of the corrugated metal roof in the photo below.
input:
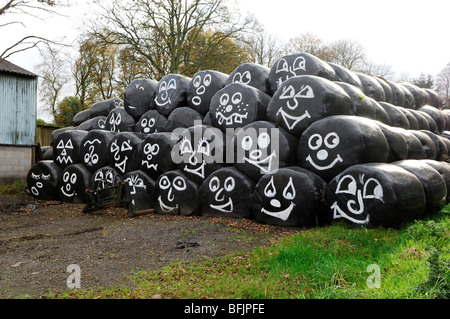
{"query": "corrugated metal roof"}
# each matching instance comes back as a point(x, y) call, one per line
point(7, 66)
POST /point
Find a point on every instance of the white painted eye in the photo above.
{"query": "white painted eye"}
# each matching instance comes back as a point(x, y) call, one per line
point(214, 184)
point(288, 93)
point(144, 122)
point(373, 190)
point(73, 179)
point(224, 99)
point(315, 142)
point(126, 146)
point(237, 78)
point(207, 80)
point(186, 146)
point(289, 192)
point(98, 176)
point(179, 183)
point(164, 183)
point(270, 190)
point(162, 86)
point(299, 64)
point(347, 185)
point(246, 77)
point(247, 143)
point(172, 84)
point(236, 98)
point(66, 177)
point(203, 147)
point(332, 140)
point(229, 184)
point(264, 140)
point(282, 66)
point(197, 81)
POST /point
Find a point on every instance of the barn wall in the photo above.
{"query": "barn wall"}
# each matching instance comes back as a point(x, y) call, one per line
point(15, 162)
point(18, 103)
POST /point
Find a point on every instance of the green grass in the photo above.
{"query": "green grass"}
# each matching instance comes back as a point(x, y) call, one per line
point(13, 189)
point(323, 263)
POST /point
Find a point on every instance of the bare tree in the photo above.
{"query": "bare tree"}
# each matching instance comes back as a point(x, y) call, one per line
point(164, 32)
point(311, 44)
point(382, 70)
point(263, 48)
point(33, 8)
point(53, 76)
point(442, 85)
point(348, 53)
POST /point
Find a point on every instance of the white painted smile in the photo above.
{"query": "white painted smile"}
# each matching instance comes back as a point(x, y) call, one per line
point(292, 121)
point(67, 194)
point(200, 171)
point(165, 208)
point(231, 119)
point(323, 168)
point(283, 215)
point(339, 213)
point(226, 208)
point(264, 165)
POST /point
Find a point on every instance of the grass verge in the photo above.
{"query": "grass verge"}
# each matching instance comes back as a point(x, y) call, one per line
point(322, 263)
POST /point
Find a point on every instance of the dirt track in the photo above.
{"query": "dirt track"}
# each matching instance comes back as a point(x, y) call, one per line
point(39, 240)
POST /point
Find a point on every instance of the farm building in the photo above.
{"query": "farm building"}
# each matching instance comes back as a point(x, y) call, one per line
point(18, 107)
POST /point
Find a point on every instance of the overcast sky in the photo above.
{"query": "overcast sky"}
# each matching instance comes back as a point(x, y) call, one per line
point(409, 35)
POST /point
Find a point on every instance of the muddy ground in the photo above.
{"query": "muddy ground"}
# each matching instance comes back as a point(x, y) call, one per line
point(39, 240)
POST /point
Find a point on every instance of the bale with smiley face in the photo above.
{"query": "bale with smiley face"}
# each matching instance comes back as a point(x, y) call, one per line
point(42, 180)
point(122, 152)
point(262, 148)
point(333, 144)
point(171, 93)
point(93, 149)
point(73, 184)
point(290, 197)
point(374, 195)
point(237, 105)
point(298, 64)
point(202, 88)
point(154, 155)
point(199, 151)
point(66, 148)
point(119, 120)
point(151, 122)
point(139, 97)
point(251, 74)
point(175, 194)
point(139, 188)
point(226, 193)
point(302, 100)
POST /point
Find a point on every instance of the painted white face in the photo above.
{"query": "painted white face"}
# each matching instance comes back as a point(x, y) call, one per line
point(223, 201)
point(120, 157)
point(232, 109)
point(69, 182)
point(115, 120)
point(64, 152)
point(91, 158)
point(38, 183)
point(275, 207)
point(293, 96)
point(136, 183)
point(150, 151)
point(357, 192)
point(200, 84)
point(139, 88)
point(258, 152)
point(285, 70)
point(104, 178)
point(323, 151)
point(196, 154)
point(242, 77)
point(148, 124)
point(164, 94)
point(168, 192)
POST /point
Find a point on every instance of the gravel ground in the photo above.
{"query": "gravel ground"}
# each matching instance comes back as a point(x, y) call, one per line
point(39, 240)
